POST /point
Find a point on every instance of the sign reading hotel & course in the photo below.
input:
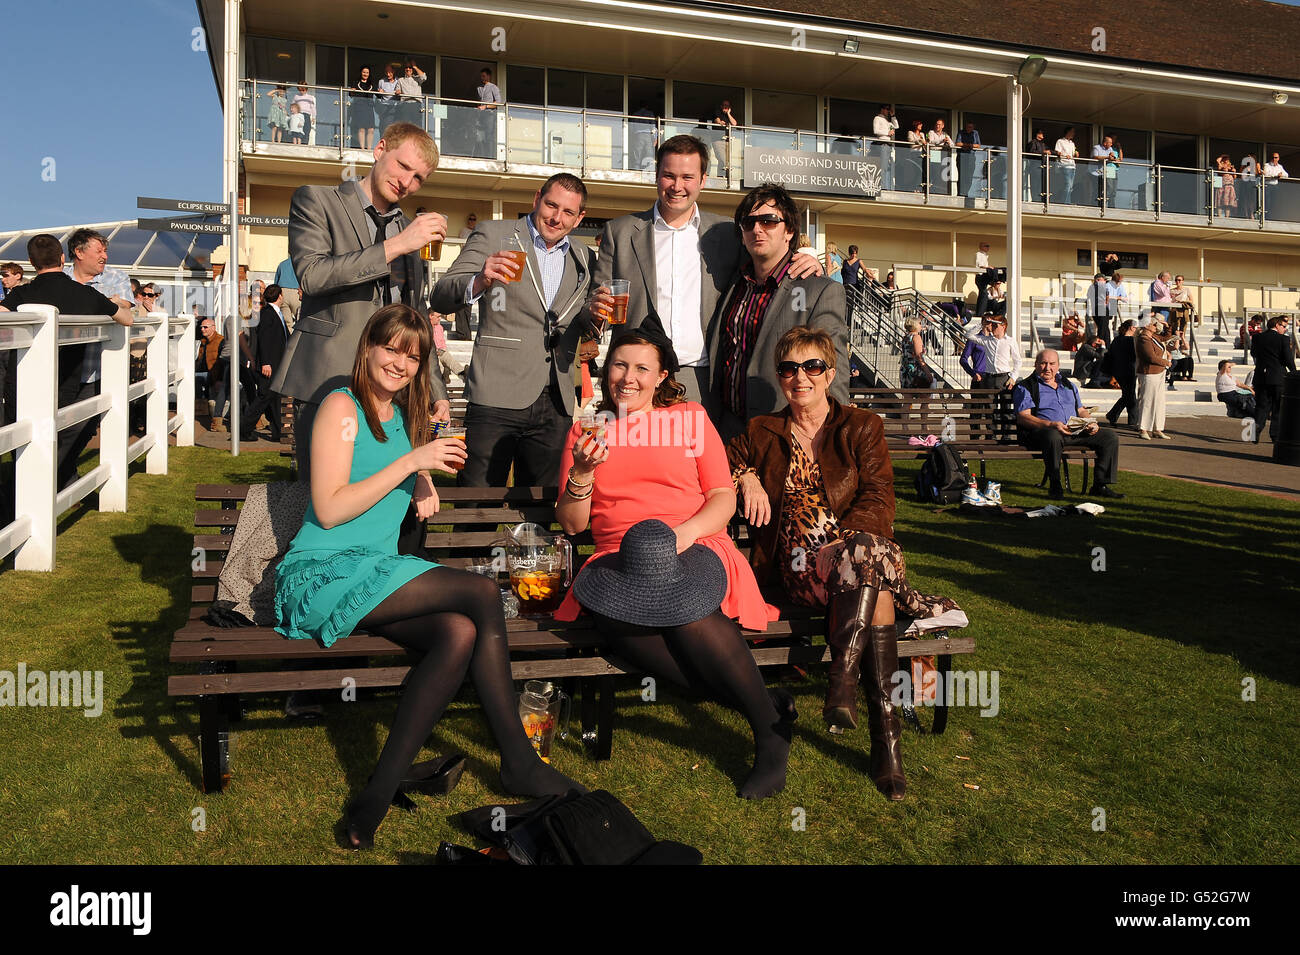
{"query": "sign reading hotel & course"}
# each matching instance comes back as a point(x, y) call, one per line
point(801, 171)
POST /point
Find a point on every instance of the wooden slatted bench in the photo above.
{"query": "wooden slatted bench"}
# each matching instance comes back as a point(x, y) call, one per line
point(232, 663)
point(964, 418)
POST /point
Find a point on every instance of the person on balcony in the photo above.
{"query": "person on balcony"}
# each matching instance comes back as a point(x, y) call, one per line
point(1036, 153)
point(1274, 171)
point(361, 110)
point(882, 128)
point(916, 157)
point(305, 100)
point(1106, 170)
point(1066, 151)
point(725, 121)
point(277, 119)
point(1225, 189)
point(489, 97)
point(971, 158)
point(1248, 188)
point(386, 106)
point(410, 91)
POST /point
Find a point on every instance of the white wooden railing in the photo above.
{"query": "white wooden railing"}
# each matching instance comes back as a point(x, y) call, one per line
point(36, 332)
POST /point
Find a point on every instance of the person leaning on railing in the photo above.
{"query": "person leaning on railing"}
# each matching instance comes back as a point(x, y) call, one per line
point(818, 489)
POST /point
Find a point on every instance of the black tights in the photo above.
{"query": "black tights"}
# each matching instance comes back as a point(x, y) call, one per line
point(454, 619)
point(711, 654)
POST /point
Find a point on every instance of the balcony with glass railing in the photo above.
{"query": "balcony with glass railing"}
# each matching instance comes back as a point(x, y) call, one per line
point(533, 140)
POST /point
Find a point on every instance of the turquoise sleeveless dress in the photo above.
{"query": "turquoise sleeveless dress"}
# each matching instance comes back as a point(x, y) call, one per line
point(332, 577)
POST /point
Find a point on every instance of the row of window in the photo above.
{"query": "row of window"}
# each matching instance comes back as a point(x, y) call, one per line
point(274, 59)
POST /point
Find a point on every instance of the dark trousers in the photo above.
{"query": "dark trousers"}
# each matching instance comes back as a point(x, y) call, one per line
point(73, 441)
point(266, 403)
point(1267, 400)
point(529, 439)
point(1003, 416)
point(1051, 442)
point(1103, 327)
point(1127, 401)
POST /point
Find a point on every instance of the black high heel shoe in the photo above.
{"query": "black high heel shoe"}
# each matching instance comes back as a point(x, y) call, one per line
point(436, 777)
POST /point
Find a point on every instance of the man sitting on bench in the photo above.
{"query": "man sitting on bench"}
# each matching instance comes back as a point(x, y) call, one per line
point(1045, 402)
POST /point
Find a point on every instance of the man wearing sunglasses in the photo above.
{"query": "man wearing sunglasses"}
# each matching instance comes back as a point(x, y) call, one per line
point(764, 302)
point(677, 259)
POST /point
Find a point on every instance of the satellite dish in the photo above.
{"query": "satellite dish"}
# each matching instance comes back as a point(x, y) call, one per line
point(1030, 70)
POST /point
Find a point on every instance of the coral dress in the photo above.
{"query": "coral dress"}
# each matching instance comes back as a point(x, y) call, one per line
point(661, 464)
point(330, 578)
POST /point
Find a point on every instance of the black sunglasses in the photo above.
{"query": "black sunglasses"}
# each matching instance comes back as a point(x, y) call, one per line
point(813, 368)
point(148, 294)
point(768, 219)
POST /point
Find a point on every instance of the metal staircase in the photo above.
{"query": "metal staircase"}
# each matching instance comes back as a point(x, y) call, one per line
point(877, 336)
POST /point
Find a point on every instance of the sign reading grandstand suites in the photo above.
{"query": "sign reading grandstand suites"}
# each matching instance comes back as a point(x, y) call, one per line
point(812, 172)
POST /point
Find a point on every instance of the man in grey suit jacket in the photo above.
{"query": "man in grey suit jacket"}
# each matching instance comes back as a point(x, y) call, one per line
point(764, 302)
point(520, 382)
point(347, 270)
point(678, 260)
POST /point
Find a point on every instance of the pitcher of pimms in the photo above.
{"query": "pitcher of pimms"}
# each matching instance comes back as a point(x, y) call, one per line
point(541, 568)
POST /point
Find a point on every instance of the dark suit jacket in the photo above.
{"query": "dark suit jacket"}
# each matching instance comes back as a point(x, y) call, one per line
point(268, 347)
point(1273, 357)
point(627, 251)
point(822, 307)
point(339, 270)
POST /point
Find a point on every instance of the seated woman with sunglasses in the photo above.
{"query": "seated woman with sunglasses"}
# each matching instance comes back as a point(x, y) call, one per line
point(369, 456)
point(816, 481)
point(662, 461)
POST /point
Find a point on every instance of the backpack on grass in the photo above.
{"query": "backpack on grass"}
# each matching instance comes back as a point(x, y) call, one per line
point(944, 476)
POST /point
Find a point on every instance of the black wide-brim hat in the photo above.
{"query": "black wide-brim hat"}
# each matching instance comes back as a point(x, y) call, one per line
point(649, 584)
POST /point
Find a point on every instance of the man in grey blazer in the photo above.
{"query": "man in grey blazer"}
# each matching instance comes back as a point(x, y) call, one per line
point(678, 260)
point(764, 302)
point(520, 382)
point(347, 269)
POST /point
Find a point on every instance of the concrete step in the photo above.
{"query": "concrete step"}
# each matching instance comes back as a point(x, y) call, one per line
point(1187, 400)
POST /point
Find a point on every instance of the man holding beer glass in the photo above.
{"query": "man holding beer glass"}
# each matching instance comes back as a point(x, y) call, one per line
point(528, 281)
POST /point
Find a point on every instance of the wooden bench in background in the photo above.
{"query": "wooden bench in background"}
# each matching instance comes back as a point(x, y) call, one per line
point(223, 665)
point(965, 419)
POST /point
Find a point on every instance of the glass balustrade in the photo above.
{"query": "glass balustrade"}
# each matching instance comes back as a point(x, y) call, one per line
point(596, 140)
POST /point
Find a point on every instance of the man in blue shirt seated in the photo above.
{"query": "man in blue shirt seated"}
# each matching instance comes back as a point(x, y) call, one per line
point(1044, 403)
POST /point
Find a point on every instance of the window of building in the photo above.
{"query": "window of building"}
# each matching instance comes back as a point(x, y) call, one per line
point(280, 61)
point(644, 91)
point(377, 60)
point(1135, 144)
point(851, 117)
point(330, 67)
point(992, 128)
point(783, 110)
point(564, 89)
point(1176, 149)
point(460, 78)
point(525, 84)
point(702, 100)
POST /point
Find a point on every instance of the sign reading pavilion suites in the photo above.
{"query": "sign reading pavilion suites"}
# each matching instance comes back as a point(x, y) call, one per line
point(799, 171)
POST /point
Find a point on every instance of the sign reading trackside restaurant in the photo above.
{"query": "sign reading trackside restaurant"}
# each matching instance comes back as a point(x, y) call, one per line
point(812, 172)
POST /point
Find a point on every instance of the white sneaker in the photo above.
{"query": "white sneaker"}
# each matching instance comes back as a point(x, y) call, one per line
point(993, 493)
point(973, 496)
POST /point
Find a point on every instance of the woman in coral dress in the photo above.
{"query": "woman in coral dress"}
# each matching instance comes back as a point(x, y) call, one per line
point(662, 459)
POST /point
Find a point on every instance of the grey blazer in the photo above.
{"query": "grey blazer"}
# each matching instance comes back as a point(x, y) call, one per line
point(512, 363)
point(338, 269)
point(627, 251)
point(823, 308)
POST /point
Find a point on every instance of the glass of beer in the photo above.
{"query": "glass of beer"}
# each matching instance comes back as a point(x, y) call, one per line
point(592, 425)
point(516, 252)
point(619, 288)
point(432, 252)
point(456, 433)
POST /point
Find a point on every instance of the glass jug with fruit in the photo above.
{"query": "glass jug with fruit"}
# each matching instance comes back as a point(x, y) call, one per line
point(541, 566)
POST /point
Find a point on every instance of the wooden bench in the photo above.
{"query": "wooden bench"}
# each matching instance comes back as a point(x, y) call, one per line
point(965, 419)
point(232, 663)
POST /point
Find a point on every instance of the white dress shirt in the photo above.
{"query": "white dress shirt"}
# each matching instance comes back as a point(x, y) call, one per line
point(1272, 170)
point(1066, 150)
point(677, 286)
point(883, 127)
point(981, 259)
point(1002, 355)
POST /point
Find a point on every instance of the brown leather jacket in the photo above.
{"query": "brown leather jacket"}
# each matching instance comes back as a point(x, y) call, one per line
point(855, 467)
point(1152, 356)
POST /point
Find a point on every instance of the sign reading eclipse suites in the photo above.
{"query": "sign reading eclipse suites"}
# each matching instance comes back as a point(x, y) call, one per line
point(813, 172)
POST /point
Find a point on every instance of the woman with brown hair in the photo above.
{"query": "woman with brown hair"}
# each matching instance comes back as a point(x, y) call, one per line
point(666, 584)
point(370, 459)
point(818, 489)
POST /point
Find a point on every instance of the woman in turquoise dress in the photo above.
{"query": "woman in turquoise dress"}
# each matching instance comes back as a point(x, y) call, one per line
point(369, 463)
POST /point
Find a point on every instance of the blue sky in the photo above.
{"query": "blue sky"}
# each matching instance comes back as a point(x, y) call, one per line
point(127, 109)
point(131, 110)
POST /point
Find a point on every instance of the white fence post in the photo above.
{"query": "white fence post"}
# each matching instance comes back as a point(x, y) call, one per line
point(115, 425)
point(185, 384)
point(156, 404)
point(36, 465)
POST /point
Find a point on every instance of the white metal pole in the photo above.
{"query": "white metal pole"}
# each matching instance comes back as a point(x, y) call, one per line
point(230, 189)
point(155, 416)
point(185, 358)
point(36, 466)
point(1015, 172)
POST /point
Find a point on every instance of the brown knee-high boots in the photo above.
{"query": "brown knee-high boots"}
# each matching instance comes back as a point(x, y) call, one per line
point(847, 620)
point(857, 646)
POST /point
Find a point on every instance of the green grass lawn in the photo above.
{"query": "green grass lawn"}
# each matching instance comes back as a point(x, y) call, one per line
point(1120, 691)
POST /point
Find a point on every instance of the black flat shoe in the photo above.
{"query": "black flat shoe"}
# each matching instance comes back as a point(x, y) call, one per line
point(1107, 491)
point(436, 777)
